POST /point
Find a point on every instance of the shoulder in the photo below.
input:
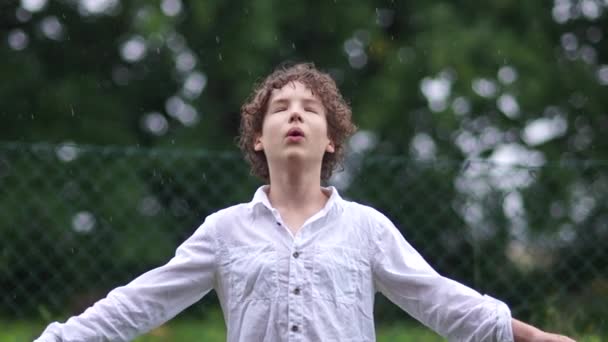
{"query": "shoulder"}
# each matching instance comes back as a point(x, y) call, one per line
point(367, 216)
point(230, 215)
point(225, 217)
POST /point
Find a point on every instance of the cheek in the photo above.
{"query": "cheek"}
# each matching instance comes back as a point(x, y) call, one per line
point(324, 128)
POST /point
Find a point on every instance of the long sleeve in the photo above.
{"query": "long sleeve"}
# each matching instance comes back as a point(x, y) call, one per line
point(453, 310)
point(148, 301)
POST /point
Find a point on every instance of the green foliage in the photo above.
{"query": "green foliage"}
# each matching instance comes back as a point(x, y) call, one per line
point(429, 82)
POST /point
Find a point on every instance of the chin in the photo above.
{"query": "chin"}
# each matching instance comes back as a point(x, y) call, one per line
point(296, 155)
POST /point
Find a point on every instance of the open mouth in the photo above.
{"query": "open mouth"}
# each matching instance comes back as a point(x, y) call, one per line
point(295, 133)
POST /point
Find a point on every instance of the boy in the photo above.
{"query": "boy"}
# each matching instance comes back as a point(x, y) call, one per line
point(298, 262)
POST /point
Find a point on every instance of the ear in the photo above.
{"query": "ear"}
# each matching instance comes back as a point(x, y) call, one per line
point(257, 145)
point(330, 147)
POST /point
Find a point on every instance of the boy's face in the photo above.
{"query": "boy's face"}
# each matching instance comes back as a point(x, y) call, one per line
point(294, 127)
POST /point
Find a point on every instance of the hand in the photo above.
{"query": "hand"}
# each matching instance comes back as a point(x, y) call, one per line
point(548, 337)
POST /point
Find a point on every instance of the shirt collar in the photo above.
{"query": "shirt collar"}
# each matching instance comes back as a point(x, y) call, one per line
point(260, 198)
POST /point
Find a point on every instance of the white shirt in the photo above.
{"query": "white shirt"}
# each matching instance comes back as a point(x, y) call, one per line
point(316, 285)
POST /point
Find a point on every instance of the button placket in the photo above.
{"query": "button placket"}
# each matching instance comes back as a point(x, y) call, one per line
point(294, 297)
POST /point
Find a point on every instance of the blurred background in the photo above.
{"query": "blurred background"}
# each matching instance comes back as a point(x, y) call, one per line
point(480, 136)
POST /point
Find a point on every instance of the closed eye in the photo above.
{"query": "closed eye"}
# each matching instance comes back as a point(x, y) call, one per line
point(312, 110)
point(279, 109)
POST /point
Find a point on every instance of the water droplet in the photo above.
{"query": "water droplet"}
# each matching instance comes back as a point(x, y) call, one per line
point(72, 108)
point(219, 56)
point(466, 165)
point(533, 173)
point(217, 39)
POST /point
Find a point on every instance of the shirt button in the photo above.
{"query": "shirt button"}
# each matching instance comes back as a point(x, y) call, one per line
point(296, 291)
point(278, 223)
point(296, 254)
point(294, 328)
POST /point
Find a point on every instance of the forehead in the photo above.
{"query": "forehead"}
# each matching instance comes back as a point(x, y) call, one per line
point(293, 89)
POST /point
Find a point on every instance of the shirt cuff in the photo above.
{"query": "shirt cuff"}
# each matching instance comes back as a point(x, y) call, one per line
point(504, 322)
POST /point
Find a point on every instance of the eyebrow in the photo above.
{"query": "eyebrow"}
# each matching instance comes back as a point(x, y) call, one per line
point(306, 101)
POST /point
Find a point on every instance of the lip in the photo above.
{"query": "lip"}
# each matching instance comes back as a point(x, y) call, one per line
point(295, 130)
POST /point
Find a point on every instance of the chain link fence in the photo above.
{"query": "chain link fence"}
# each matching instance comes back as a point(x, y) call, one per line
point(77, 221)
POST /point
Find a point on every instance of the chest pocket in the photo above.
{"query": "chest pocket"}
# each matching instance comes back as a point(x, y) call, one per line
point(336, 274)
point(253, 272)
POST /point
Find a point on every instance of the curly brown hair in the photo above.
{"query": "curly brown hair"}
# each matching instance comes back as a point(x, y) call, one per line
point(339, 115)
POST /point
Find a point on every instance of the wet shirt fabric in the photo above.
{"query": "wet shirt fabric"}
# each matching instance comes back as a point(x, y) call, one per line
point(316, 285)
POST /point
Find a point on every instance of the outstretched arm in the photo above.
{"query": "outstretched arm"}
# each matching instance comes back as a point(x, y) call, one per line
point(148, 301)
point(452, 309)
point(523, 332)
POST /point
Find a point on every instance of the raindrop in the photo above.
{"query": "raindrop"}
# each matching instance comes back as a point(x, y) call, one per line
point(72, 110)
point(533, 173)
point(219, 56)
point(217, 39)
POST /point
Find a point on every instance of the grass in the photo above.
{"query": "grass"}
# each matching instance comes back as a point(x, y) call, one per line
point(212, 329)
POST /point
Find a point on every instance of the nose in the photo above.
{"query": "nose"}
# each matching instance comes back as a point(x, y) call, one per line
point(295, 116)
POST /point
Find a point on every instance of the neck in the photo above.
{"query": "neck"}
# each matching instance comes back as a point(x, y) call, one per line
point(296, 188)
